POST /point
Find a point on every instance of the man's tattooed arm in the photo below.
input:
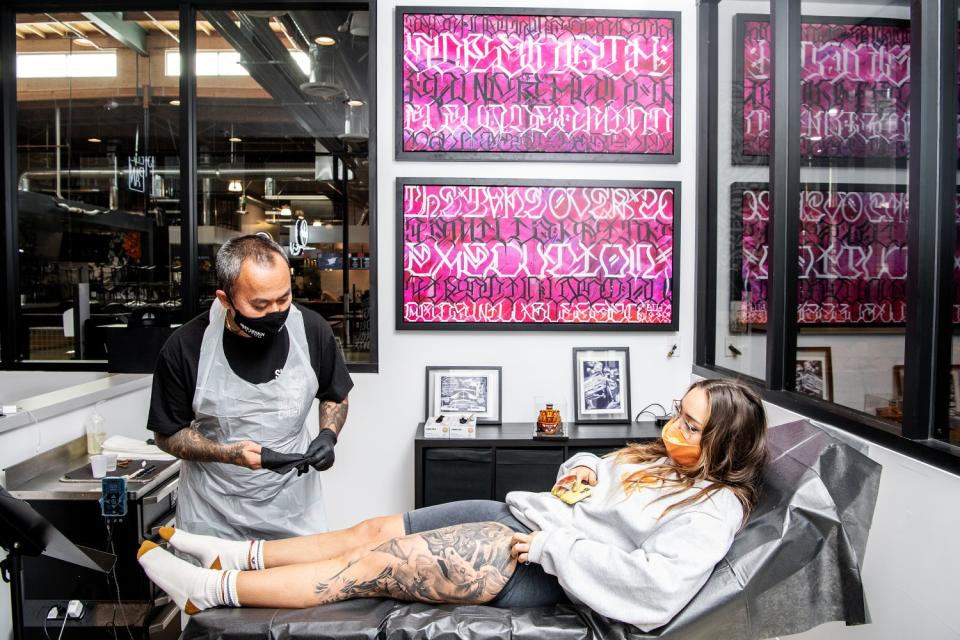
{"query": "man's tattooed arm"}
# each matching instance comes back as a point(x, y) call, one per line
point(189, 444)
point(467, 563)
point(333, 414)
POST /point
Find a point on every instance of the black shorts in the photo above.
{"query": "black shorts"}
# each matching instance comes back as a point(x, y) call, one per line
point(529, 586)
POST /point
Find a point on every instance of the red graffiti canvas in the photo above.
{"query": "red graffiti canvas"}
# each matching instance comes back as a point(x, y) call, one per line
point(516, 254)
point(537, 85)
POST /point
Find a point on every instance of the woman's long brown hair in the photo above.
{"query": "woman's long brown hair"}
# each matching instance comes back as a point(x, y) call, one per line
point(733, 449)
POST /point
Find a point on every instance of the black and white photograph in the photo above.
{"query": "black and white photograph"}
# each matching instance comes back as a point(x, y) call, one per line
point(601, 385)
point(463, 394)
point(814, 375)
point(464, 390)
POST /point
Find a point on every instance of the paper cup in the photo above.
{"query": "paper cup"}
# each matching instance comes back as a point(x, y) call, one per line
point(98, 465)
point(111, 461)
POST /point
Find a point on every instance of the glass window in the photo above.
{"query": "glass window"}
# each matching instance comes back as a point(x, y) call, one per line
point(98, 182)
point(854, 151)
point(743, 206)
point(67, 65)
point(951, 433)
point(282, 148)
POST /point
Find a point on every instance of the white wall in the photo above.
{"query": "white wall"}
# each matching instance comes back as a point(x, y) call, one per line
point(374, 470)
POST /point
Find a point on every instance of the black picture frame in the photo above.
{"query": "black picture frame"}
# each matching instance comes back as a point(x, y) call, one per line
point(433, 406)
point(674, 287)
point(736, 142)
point(611, 385)
point(434, 156)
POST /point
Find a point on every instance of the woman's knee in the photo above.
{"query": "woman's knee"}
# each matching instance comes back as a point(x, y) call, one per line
point(374, 531)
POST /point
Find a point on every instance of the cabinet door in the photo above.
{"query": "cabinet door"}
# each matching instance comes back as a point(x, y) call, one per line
point(457, 474)
point(533, 469)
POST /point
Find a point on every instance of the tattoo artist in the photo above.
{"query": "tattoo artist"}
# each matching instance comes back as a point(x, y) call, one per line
point(231, 394)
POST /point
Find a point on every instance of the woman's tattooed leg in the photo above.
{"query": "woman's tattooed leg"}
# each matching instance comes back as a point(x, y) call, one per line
point(467, 564)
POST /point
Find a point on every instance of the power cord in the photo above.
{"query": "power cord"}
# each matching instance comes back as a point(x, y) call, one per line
point(658, 419)
point(63, 626)
point(108, 523)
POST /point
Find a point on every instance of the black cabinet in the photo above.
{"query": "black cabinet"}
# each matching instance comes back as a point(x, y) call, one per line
point(506, 458)
point(525, 470)
point(460, 474)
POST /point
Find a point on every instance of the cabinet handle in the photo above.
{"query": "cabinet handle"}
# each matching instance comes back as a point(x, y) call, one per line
point(172, 520)
point(162, 493)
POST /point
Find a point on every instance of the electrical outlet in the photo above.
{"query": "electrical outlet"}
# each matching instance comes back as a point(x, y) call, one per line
point(673, 349)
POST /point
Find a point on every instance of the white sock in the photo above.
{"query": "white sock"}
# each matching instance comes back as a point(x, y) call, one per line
point(214, 553)
point(192, 588)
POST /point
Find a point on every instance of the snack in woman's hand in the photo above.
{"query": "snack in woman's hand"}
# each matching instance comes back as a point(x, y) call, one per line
point(571, 490)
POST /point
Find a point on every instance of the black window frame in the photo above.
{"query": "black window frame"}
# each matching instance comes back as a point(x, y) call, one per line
point(931, 231)
point(9, 263)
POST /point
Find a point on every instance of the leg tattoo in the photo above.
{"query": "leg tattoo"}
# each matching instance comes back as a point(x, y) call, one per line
point(468, 563)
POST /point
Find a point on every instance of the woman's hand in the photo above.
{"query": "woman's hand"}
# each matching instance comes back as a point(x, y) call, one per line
point(585, 475)
point(520, 546)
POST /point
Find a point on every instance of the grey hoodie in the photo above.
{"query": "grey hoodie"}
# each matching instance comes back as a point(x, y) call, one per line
point(612, 553)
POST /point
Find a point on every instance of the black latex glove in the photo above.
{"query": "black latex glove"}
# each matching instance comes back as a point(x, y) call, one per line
point(320, 454)
point(279, 462)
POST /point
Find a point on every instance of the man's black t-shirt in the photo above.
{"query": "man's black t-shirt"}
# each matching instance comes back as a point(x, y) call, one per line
point(175, 378)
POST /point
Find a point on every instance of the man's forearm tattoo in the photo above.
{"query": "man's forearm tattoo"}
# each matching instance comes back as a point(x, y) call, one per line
point(190, 444)
point(467, 563)
point(333, 415)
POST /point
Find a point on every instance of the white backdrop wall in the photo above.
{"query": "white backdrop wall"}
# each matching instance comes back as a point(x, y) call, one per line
point(374, 470)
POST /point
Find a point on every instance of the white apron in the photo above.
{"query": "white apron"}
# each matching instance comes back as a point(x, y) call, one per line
point(234, 502)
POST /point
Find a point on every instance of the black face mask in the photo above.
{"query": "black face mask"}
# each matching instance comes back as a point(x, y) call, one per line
point(263, 328)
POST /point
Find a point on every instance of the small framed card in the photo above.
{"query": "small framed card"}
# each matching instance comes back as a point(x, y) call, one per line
point(601, 385)
point(465, 390)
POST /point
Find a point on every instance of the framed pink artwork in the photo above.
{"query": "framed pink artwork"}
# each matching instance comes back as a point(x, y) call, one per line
point(534, 255)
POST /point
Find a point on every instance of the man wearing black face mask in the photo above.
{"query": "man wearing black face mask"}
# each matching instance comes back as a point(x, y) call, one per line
point(231, 394)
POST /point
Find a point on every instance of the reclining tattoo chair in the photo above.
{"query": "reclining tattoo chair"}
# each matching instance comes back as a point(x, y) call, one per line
point(794, 566)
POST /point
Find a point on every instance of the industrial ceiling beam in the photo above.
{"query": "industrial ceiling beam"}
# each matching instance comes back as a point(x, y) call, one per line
point(130, 34)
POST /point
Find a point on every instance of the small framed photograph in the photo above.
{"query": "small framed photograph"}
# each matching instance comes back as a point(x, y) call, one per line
point(601, 385)
point(815, 372)
point(954, 386)
point(473, 390)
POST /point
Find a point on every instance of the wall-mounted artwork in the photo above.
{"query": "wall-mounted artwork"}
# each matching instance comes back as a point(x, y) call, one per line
point(549, 254)
point(853, 256)
point(537, 84)
point(855, 91)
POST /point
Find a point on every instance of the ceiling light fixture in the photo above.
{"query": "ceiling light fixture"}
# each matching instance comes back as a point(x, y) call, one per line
point(354, 103)
point(325, 41)
point(235, 186)
point(175, 102)
point(94, 140)
point(285, 211)
point(235, 139)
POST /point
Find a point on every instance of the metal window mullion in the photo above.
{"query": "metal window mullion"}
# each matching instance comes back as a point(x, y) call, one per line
point(9, 262)
point(189, 233)
point(707, 132)
point(931, 223)
point(784, 227)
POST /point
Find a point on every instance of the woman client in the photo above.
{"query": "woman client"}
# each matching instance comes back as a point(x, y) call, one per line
point(657, 519)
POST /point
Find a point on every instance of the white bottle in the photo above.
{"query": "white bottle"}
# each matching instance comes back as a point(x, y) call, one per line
point(95, 432)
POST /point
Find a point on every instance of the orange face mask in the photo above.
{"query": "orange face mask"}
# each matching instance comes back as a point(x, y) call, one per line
point(679, 450)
